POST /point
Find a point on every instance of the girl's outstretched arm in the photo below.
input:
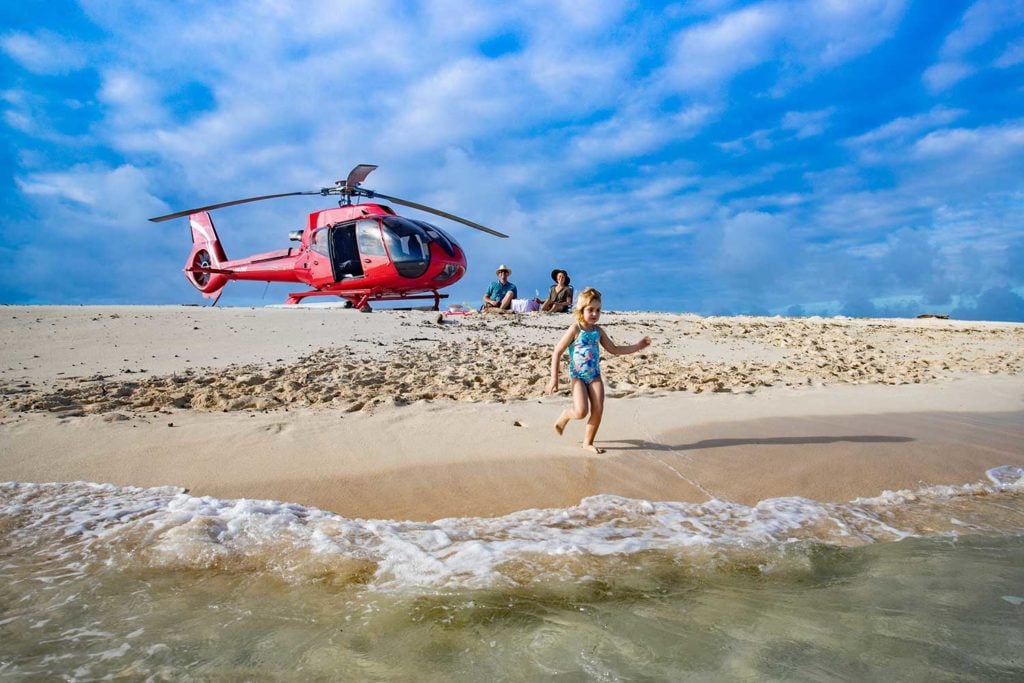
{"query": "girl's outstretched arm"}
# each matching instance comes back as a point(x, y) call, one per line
point(556, 356)
point(614, 349)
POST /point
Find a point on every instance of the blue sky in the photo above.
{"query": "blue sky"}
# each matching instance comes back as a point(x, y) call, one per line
point(717, 157)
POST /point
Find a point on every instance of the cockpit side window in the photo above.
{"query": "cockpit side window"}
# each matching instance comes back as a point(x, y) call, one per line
point(318, 241)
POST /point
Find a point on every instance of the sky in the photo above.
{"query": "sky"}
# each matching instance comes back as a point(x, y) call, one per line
point(788, 157)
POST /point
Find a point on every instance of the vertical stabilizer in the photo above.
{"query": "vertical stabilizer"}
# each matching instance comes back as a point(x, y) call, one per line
point(206, 257)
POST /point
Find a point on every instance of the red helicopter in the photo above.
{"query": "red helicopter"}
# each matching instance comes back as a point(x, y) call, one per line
point(359, 252)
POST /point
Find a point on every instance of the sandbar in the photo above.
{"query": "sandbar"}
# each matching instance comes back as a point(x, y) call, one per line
point(410, 414)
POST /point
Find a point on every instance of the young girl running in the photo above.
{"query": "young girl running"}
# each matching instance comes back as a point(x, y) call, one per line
point(582, 339)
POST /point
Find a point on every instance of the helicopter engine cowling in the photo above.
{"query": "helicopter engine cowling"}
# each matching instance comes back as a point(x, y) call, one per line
point(207, 253)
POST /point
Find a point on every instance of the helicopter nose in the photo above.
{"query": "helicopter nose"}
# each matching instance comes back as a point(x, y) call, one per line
point(448, 272)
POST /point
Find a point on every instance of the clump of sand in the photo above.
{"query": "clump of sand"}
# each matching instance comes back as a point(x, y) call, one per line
point(505, 361)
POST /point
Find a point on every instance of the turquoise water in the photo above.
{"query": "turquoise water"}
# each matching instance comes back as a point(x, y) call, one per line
point(101, 581)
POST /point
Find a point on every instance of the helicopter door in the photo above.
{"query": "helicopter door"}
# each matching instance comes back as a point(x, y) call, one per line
point(371, 246)
point(345, 253)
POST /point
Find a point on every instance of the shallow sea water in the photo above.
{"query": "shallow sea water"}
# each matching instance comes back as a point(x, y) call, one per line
point(101, 581)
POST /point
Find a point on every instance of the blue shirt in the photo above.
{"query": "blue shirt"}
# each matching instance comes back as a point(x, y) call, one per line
point(497, 291)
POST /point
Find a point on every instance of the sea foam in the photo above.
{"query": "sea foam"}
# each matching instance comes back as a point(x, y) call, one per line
point(74, 525)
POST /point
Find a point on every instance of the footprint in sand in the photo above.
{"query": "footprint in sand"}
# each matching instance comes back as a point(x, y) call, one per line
point(278, 428)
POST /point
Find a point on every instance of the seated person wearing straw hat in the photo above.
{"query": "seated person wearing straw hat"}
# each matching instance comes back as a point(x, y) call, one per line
point(560, 295)
point(500, 294)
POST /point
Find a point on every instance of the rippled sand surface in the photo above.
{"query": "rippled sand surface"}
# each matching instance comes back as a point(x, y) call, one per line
point(414, 357)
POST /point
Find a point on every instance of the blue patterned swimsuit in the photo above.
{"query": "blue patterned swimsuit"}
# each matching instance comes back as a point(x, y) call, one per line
point(585, 357)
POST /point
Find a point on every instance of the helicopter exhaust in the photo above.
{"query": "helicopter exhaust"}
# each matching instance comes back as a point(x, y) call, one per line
point(206, 257)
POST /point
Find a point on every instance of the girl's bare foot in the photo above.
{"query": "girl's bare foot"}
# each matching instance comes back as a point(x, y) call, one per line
point(592, 448)
point(560, 425)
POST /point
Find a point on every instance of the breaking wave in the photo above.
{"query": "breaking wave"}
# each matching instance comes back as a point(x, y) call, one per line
point(71, 528)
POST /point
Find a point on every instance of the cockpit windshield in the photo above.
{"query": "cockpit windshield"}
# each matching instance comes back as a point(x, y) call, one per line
point(438, 235)
point(408, 244)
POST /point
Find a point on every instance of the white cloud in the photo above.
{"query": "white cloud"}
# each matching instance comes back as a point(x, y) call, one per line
point(837, 31)
point(635, 131)
point(807, 123)
point(761, 139)
point(56, 185)
point(811, 36)
point(749, 256)
point(456, 103)
point(18, 114)
point(802, 124)
point(980, 24)
point(413, 85)
point(569, 80)
point(945, 75)
point(865, 211)
point(930, 171)
point(962, 145)
point(31, 113)
point(117, 197)
point(709, 54)
point(133, 100)
point(694, 116)
point(904, 127)
point(455, 20)
point(19, 121)
point(666, 186)
point(785, 200)
point(1011, 56)
point(44, 53)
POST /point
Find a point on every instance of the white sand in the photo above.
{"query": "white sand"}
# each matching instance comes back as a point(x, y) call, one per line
point(392, 414)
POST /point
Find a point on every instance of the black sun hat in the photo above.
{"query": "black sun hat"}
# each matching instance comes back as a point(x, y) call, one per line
point(556, 271)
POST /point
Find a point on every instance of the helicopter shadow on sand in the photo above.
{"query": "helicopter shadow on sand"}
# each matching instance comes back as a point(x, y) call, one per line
point(705, 444)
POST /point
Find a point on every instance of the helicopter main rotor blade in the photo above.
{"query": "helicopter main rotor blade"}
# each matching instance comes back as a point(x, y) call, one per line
point(186, 212)
point(358, 174)
point(436, 212)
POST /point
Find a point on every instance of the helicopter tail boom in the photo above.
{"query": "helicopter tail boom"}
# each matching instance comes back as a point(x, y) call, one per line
point(201, 268)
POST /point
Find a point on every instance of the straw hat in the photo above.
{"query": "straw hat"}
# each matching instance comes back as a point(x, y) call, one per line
point(503, 267)
point(556, 271)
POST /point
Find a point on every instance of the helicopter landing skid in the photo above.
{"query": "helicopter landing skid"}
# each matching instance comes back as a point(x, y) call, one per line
point(362, 299)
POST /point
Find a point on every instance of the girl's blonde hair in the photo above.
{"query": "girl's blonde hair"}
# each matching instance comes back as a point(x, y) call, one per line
point(586, 297)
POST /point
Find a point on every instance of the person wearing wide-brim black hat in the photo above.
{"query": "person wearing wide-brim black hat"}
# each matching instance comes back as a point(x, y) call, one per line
point(560, 295)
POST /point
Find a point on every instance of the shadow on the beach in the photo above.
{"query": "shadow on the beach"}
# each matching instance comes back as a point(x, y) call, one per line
point(641, 445)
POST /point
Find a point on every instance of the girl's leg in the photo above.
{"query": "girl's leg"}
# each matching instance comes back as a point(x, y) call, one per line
point(578, 411)
point(596, 395)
